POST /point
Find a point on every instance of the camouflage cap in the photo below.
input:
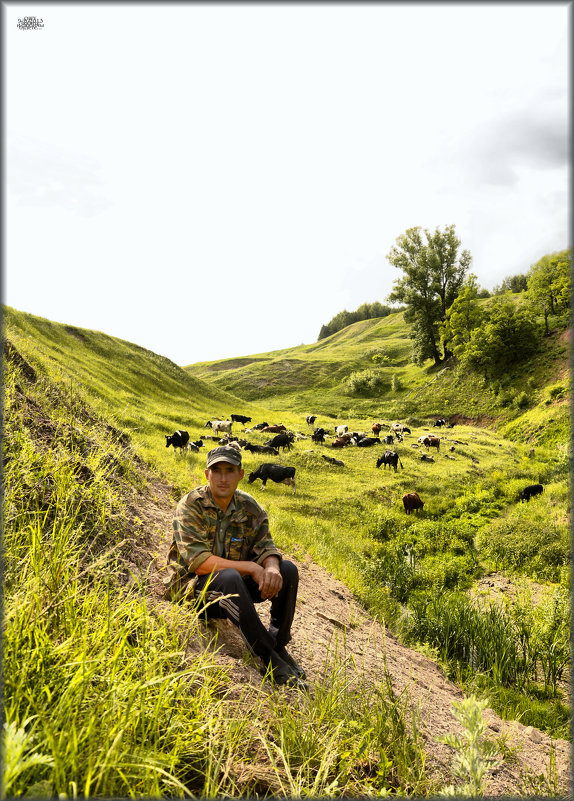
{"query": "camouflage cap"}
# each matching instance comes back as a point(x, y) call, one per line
point(223, 454)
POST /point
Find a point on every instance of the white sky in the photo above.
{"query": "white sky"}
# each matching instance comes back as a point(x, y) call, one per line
point(218, 180)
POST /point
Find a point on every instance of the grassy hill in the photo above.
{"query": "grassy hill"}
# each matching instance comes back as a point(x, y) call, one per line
point(85, 419)
point(313, 379)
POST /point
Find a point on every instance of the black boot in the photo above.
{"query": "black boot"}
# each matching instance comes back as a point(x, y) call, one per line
point(281, 672)
point(284, 654)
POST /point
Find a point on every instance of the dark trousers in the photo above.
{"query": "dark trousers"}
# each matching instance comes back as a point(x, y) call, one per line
point(240, 608)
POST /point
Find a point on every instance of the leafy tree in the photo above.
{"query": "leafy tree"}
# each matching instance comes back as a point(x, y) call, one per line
point(508, 336)
point(463, 317)
point(512, 283)
point(433, 274)
point(549, 284)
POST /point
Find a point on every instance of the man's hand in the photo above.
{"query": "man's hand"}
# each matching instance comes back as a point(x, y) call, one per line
point(268, 578)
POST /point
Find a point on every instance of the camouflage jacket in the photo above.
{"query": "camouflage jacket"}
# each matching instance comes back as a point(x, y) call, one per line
point(198, 521)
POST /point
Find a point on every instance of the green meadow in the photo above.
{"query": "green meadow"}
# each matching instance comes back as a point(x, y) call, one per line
point(103, 696)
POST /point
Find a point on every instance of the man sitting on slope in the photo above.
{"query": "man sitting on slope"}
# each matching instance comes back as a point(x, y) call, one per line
point(222, 547)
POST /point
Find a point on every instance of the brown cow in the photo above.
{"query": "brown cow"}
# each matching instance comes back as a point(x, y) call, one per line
point(411, 500)
point(376, 429)
point(339, 442)
point(432, 442)
point(273, 429)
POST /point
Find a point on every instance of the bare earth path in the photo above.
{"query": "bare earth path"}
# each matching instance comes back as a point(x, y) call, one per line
point(329, 617)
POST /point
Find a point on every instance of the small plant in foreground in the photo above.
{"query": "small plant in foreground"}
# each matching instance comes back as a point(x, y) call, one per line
point(475, 755)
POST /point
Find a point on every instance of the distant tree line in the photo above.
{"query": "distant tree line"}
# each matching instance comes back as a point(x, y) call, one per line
point(344, 318)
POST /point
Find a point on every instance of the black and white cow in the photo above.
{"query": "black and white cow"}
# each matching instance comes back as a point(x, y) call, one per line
point(311, 419)
point(219, 426)
point(278, 473)
point(178, 439)
point(318, 435)
point(259, 426)
point(261, 449)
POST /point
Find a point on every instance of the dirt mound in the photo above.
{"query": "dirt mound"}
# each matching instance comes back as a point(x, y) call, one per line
point(329, 618)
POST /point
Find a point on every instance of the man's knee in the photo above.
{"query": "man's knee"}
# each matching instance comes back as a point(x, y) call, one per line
point(289, 572)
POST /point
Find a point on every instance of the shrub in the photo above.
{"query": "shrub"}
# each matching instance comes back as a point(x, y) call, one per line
point(521, 400)
point(366, 381)
point(556, 391)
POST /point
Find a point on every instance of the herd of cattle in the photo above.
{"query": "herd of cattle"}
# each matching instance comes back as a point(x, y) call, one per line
point(341, 437)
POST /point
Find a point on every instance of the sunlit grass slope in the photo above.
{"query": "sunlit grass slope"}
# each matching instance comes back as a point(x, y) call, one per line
point(313, 379)
point(349, 519)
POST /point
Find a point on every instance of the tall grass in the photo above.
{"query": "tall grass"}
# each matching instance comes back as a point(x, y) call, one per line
point(109, 694)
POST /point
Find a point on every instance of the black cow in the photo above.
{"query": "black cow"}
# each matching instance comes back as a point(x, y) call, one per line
point(527, 493)
point(318, 435)
point(276, 472)
point(366, 442)
point(389, 439)
point(311, 419)
point(259, 426)
point(282, 440)
point(389, 458)
point(239, 418)
point(178, 439)
point(260, 449)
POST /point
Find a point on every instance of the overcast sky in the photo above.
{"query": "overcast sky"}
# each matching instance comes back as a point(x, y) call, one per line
point(211, 181)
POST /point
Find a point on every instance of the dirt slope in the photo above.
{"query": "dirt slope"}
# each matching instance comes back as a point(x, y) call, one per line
point(329, 617)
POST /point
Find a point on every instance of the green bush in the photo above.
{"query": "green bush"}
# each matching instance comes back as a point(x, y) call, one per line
point(556, 391)
point(366, 381)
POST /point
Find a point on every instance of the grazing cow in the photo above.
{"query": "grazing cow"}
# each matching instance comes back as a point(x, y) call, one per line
point(199, 443)
point(400, 428)
point(431, 442)
point(219, 426)
point(239, 418)
point(389, 458)
point(376, 429)
point(318, 435)
point(261, 449)
point(527, 493)
point(260, 426)
point(330, 459)
point(273, 429)
point(388, 440)
point(282, 440)
point(178, 439)
point(276, 472)
point(412, 501)
point(311, 419)
point(366, 442)
point(340, 430)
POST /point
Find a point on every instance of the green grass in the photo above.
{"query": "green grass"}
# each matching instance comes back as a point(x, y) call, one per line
point(85, 419)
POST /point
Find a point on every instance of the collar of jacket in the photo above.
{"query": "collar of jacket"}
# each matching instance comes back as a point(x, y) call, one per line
point(237, 514)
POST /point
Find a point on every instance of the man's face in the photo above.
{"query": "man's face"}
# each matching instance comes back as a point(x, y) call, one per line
point(223, 479)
